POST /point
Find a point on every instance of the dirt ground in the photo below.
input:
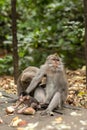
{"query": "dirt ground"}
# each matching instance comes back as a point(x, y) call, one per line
point(69, 120)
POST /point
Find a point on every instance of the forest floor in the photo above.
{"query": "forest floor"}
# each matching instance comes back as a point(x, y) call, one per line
point(71, 119)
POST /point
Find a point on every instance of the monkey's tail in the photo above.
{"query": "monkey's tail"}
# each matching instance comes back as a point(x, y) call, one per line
point(71, 107)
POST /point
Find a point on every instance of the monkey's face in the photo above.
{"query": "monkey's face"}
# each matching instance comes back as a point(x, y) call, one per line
point(53, 59)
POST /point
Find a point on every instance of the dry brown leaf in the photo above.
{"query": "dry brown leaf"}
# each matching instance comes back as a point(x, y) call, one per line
point(15, 121)
point(29, 111)
point(1, 121)
point(22, 123)
point(59, 120)
point(10, 110)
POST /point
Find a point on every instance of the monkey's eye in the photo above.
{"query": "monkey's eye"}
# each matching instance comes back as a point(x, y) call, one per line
point(56, 59)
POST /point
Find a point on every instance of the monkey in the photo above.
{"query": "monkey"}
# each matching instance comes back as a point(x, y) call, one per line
point(56, 89)
point(24, 80)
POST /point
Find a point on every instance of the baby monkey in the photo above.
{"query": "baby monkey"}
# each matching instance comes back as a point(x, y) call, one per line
point(56, 83)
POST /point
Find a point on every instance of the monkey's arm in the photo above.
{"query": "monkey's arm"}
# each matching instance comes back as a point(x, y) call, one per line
point(36, 79)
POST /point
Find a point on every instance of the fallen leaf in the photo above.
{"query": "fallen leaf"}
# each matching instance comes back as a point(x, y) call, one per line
point(75, 114)
point(63, 127)
point(58, 120)
point(15, 121)
point(29, 111)
point(32, 125)
point(22, 123)
point(10, 110)
point(15, 118)
point(83, 122)
point(1, 121)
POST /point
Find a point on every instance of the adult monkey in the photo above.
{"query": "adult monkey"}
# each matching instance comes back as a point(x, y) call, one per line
point(56, 83)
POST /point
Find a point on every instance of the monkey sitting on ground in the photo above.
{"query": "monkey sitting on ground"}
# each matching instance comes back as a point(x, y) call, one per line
point(25, 79)
point(56, 83)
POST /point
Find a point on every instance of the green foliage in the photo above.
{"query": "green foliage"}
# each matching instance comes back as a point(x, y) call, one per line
point(6, 65)
point(45, 27)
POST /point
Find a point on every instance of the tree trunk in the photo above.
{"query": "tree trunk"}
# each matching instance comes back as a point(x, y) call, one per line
point(85, 14)
point(15, 42)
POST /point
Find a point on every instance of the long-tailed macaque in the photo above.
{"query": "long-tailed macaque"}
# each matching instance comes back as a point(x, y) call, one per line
point(56, 83)
point(25, 79)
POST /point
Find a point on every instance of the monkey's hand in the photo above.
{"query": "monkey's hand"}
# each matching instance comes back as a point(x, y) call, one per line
point(43, 105)
point(47, 112)
point(23, 98)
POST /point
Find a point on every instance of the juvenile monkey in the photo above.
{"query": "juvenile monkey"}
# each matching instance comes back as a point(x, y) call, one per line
point(25, 79)
point(56, 83)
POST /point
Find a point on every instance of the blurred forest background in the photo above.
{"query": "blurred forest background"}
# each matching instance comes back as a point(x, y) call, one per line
point(43, 27)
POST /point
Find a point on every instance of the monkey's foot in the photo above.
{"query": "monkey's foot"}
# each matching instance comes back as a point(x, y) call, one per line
point(47, 112)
